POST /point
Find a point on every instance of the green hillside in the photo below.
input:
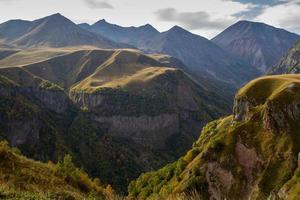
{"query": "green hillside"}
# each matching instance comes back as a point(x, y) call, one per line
point(117, 112)
point(252, 154)
point(22, 178)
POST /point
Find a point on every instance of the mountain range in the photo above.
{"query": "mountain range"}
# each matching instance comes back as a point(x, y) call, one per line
point(261, 45)
point(198, 53)
point(136, 36)
point(51, 31)
point(124, 102)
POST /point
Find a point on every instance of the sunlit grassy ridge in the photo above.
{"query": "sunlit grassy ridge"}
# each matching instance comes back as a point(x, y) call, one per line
point(255, 158)
point(151, 110)
point(87, 68)
point(123, 69)
point(268, 87)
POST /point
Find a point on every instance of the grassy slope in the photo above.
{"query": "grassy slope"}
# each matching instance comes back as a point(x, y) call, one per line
point(97, 70)
point(30, 56)
point(218, 144)
point(22, 178)
point(123, 69)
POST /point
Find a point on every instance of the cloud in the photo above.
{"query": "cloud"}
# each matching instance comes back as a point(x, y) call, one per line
point(8, 1)
point(192, 20)
point(251, 13)
point(97, 4)
point(260, 2)
point(285, 15)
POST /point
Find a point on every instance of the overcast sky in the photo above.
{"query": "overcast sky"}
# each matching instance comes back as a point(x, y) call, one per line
point(203, 17)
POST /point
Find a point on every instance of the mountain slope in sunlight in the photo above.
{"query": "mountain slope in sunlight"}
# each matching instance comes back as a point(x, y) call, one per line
point(252, 154)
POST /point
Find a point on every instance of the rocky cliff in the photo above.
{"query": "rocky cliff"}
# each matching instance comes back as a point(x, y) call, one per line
point(252, 154)
point(290, 63)
point(106, 108)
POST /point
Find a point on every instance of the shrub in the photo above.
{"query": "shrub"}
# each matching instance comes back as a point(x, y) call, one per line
point(218, 146)
point(191, 154)
point(180, 166)
point(297, 173)
point(66, 167)
point(196, 183)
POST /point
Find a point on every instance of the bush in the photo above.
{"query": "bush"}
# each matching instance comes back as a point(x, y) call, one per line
point(218, 146)
point(66, 167)
point(196, 184)
point(191, 154)
point(180, 166)
point(297, 173)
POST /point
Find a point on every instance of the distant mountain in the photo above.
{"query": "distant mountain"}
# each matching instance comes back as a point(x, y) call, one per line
point(201, 55)
point(117, 112)
point(136, 36)
point(252, 154)
point(259, 44)
point(290, 63)
point(51, 31)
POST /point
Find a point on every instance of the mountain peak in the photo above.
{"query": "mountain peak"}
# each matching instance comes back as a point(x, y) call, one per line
point(250, 23)
point(57, 17)
point(245, 37)
point(148, 27)
point(177, 29)
point(102, 21)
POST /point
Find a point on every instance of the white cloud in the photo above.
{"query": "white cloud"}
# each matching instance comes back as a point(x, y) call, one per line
point(286, 15)
point(193, 20)
point(213, 14)
point(96, 4)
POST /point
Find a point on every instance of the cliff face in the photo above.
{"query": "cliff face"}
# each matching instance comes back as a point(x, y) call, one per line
point(28, 114)
point(252, 154)
point(289, 63)
point(118, 113)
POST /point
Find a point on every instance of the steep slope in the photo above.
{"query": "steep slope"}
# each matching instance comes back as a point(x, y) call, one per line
point(253, 154)
point(290, 63)
point(136, 36)
point(51, 31)
point(259, 44)
point(106, 108)
point(22, 178)
point(202, 56)
point(19, 57)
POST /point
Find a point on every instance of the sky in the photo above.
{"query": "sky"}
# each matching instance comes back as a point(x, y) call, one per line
point(204, 17)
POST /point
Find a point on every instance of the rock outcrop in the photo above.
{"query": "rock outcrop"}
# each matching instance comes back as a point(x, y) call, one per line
point(117, 112)
point(289, 63)
point(253, 154)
